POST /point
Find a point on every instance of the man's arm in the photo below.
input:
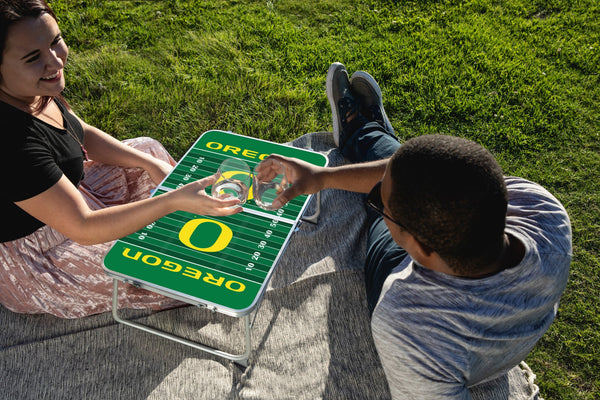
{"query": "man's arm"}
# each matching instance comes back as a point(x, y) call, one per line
point(309, 179)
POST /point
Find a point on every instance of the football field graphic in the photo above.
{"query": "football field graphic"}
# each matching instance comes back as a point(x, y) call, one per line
point(223, 263)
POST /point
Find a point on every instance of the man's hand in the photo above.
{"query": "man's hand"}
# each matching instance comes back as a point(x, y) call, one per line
point(305, 178)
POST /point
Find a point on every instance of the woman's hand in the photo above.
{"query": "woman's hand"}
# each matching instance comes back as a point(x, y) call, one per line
point(64, 208)
point(193, 198)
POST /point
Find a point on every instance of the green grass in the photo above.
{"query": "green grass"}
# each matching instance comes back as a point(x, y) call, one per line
point(521, 77)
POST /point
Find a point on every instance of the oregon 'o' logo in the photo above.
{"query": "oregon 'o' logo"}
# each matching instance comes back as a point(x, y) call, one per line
point(202, 232)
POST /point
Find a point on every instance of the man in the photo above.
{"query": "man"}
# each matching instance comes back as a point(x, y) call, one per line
point(464, 267)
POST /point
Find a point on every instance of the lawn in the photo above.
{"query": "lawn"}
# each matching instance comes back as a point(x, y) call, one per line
point(521, 77)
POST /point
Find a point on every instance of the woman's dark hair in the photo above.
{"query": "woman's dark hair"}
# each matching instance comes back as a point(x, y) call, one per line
point(13, 11)
point(450, 195)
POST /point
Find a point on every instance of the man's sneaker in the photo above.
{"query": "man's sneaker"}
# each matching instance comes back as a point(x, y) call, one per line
point(344, 106)
point(368, 91)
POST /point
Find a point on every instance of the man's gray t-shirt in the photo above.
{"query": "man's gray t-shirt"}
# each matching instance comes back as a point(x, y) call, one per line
point(438, 335)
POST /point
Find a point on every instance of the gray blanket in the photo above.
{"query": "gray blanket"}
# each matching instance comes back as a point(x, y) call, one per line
point(311, 337)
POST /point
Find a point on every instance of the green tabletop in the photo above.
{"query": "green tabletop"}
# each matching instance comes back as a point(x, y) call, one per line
point(223, 263)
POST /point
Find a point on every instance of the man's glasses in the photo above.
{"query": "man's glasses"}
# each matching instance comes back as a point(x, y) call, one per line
point(374, 201)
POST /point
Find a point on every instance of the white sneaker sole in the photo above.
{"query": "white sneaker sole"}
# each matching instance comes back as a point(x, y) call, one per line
point(334, 109)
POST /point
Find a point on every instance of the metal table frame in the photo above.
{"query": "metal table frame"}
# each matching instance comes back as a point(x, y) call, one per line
point(241, 359)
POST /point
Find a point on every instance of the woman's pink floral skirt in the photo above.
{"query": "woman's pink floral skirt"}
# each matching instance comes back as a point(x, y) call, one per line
point(47, 273)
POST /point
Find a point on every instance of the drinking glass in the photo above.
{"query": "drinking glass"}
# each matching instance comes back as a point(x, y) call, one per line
point(270, 180)
point(233, 180)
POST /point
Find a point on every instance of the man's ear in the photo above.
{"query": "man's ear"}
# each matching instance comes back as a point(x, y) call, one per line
point(420, 246)
point(421, 253)
point(428, 258)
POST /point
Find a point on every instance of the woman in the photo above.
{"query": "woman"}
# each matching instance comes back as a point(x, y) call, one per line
point(57, 224)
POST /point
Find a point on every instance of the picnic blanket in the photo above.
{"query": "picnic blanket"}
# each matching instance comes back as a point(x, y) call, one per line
point(311, 337)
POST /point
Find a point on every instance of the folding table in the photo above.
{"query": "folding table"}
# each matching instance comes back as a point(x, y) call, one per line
point(220, 263)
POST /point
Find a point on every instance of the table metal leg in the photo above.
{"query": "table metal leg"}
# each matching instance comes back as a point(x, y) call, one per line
point(313, 219)
point(241, 359)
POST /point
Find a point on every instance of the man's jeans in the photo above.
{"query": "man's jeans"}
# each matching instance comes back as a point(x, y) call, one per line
point(371, 143)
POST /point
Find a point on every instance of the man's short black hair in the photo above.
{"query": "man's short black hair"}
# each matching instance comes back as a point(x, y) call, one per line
point(450, 195)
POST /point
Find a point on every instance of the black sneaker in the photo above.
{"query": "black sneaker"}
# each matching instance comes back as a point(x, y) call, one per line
point(344, 106)
point(368, 91)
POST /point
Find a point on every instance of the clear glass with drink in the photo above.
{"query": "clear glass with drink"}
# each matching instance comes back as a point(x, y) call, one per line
point(270, 180)
point(234, 179)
